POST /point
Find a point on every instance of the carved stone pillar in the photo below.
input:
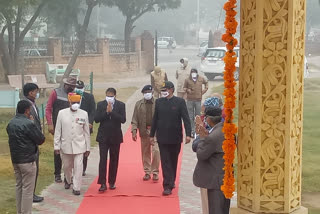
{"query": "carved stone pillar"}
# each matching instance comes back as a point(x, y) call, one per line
point(271, 106)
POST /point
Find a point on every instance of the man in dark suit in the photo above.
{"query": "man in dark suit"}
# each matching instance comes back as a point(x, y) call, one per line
point(87, 104)
point(31, 93)
point(167, 125)
point(110, 114)
point(209, 172)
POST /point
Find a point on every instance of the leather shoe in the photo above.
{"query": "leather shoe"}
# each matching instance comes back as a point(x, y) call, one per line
point(146, 177)
point(83, 173)
point(57, 179)
point(102, 188)
point(66, 185)
point(76, 192)
point(155, 177)
point(112, 186)
point(167, 192)
point(37, 199)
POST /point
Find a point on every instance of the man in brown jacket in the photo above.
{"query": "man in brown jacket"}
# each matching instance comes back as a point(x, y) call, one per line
point(193, 88)
point(158, 77)
point(142, 120)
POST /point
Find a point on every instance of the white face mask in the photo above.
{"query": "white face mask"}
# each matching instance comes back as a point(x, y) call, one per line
point(194, 75)
point(110, 100)
point(75, 106)
point(164, 93)
point(147, 96)
point(38, 95)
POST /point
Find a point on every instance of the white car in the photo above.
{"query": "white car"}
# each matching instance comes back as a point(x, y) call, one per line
point(212, 63)
point(203, 47)
point(163, 42)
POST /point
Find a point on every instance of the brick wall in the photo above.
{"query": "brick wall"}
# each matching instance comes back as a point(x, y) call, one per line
point(36, 65)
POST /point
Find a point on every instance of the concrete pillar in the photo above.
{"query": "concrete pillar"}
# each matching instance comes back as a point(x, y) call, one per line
point(147, 44)
point(55, 49)
point(103, 48)
point(138, 51)
point(271, 106)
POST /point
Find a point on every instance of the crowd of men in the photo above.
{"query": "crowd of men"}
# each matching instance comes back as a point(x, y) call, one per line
point(159, 118)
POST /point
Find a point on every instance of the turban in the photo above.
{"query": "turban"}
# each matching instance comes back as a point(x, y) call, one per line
point(74, 98)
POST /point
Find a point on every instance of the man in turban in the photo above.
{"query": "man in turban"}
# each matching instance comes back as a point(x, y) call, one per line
point(72, 141)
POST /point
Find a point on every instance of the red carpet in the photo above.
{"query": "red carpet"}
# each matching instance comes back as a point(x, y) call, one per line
point(132, 195)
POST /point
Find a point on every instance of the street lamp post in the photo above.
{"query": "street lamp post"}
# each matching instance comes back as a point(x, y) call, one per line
point(198, 21)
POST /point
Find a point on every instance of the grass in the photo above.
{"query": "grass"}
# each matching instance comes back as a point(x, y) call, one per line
point(7, 179)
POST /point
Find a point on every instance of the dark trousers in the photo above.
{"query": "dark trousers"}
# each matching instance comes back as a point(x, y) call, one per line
point(57, 165)
point(85, 163)
point(114, 150)
point(217, 202)
point(169, 154)
point(37, 172)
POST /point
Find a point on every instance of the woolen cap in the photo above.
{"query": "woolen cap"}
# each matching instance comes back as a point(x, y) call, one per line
point(80, 84)
point(146, 88)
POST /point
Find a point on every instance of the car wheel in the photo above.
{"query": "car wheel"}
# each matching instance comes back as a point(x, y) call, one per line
point(236, 74)
point(210, 76)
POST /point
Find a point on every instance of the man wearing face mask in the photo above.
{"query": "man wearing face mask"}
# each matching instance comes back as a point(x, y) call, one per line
point(158, 77)
point(87, 104)
point(142, 121)
point(24, 138)
point(182, 74)
point(167, 125)
point(72, 141)
point(31, 93)
point(193, 88)
point(110, 113)
point(57, 101)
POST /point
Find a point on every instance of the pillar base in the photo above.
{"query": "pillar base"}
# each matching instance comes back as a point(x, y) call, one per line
point(236, 210)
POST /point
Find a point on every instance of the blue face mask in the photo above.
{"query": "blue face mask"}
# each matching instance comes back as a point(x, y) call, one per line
point(207, 126)
point(38, 95)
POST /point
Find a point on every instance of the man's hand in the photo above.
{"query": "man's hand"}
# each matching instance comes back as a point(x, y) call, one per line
point(152, 141)
point(188, 139)
point(109, 108)
point(87, 153)
point(31, 117)
point(134, 137)
point(90, 126)
point(189, 91)
point(204, 91)
point(203, 132)
point(57, 152)
point(51, 129)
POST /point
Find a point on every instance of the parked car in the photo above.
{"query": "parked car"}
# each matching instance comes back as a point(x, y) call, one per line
point(163, 42)
point(202, 48)
point(35, 52)
point(212, 63)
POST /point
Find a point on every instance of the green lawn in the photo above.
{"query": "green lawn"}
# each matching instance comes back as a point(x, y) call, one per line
point(7, 179)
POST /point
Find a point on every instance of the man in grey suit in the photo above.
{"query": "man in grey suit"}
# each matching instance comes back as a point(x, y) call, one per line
point(31, 93)
point(209, 172)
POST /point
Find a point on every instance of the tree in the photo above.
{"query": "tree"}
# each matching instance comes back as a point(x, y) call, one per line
point(16, 18)
point(134, 9)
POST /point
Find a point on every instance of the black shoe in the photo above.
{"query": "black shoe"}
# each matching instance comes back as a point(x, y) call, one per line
point(37, 199)
point(57, 179)
point(103, 188)
point(83, 173)
point(76, 192)
point(167, 192)
point(112, 186)
point(66, 185)
point(146, 177)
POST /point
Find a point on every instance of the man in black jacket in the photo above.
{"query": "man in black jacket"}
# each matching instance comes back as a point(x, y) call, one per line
point(167, 125)
point(31, 93)
point(87, 104)
point(110, 114)
point(24, 138)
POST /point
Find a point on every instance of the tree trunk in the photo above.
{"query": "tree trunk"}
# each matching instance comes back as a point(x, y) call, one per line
point(6, 60)
point(81, 40)
point(127, 34)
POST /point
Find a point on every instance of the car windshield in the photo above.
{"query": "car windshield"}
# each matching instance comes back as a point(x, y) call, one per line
point(215, 53)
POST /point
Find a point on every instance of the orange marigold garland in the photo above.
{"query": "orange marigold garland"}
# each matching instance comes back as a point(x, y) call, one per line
point(229, 127)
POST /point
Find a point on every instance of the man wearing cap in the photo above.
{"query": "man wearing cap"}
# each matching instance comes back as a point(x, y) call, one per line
point(31, 93)
point(57, 101)
point(142, 121)
point(158, 77)
point(182, 73)
point(72, 141)
point(167, 125)
point(87, 104)
point(193, 86)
